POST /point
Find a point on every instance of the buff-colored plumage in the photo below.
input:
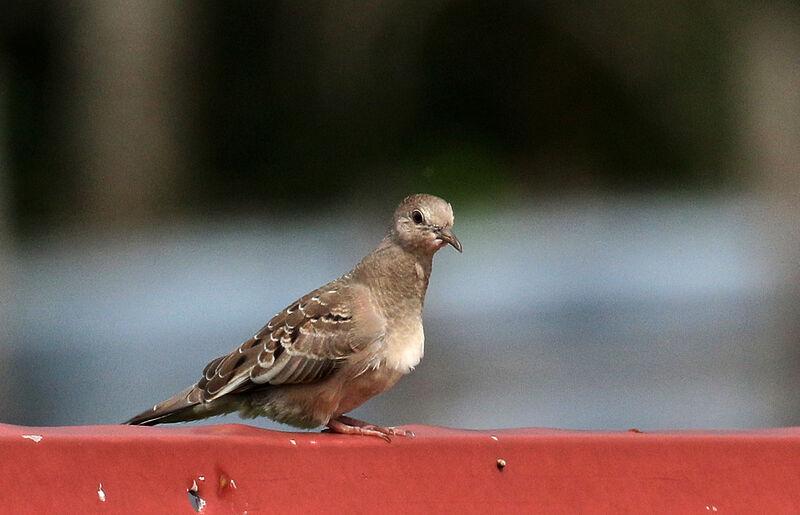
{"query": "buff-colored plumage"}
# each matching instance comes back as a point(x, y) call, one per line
point(334, 348)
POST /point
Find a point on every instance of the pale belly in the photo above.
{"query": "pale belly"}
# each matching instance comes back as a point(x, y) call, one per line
point(402, 350)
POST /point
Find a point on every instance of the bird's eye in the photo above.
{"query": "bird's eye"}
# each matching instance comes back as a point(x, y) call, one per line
point(416, 215)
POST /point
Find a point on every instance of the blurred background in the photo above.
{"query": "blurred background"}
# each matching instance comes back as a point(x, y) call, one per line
point(625, 177)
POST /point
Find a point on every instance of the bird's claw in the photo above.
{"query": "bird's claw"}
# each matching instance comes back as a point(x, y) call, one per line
point(390, 431)
point(399, 431)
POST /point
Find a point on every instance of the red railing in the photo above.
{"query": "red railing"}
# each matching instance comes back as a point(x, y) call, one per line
point(241, 469)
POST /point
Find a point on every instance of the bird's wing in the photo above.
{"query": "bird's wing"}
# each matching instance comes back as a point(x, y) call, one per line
point(303, 343)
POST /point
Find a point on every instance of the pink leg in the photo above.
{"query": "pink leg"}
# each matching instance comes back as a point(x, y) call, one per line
point(395, 431)
point(352, 426)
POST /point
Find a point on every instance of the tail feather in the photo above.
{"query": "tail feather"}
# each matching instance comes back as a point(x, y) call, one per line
point(181, 407)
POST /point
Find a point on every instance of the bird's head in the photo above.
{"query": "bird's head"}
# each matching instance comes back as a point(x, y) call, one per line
point(424, 223)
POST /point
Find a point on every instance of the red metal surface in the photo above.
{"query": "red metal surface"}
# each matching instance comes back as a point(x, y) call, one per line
point(241, 469)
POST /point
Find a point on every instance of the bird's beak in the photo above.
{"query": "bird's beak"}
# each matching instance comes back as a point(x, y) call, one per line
point(446, 235)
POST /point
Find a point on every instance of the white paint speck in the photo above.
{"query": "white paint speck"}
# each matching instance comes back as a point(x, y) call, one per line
point(293, 442)
point(313, 442)
point(202, 478)
point(35, 438)
point(194, 487)
point(100, 493)
point(233, 483)
point(494, 438)
point(711, 508)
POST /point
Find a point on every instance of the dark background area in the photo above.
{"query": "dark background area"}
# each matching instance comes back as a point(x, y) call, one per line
point(625, 181)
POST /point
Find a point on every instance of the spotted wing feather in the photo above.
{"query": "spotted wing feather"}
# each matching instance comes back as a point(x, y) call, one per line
point(303, 343)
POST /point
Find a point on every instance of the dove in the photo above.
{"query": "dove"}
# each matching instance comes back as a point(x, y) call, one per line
point(331, 350)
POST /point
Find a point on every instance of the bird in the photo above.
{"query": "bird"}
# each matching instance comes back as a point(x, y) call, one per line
point(334, 348)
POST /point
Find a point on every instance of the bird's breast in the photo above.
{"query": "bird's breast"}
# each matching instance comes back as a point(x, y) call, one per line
point(403, 348)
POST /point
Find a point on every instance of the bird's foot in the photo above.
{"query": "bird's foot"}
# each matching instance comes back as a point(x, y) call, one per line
point(393, 431)
point(349, 425)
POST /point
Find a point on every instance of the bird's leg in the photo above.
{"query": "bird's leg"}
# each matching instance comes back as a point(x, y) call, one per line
point(389, 431)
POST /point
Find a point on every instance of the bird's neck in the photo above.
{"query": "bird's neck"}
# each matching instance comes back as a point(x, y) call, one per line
point(400, 276)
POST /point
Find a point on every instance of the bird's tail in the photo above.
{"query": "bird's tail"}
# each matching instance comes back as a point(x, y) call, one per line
point(181, 407)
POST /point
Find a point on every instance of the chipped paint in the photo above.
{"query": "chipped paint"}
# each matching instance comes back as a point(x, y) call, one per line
point(35, 438)
point(198, 503)
point(293, 441)
point(100, 493)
